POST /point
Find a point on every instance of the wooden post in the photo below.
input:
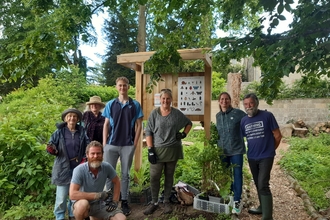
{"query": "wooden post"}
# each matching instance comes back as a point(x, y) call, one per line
point(138, 96)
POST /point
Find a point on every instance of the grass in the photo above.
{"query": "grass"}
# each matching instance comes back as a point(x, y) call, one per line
point(308, 161)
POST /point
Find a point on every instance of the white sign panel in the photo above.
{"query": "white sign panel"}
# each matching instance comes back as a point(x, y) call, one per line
point(191, 95)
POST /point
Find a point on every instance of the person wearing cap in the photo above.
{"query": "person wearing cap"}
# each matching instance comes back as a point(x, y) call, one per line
point(68, 145)
point(93, 120)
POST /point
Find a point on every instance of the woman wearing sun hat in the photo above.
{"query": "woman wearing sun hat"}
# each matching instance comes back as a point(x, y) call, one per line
point(68, 143)
point(93, 120)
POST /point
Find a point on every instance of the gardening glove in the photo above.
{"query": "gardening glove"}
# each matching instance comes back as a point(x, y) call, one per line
point(152, 157)
point(102, 195)
point(112, 206)
point(51, 148)
point(180, 135)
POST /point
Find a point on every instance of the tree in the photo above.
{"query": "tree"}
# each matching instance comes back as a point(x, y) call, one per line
point(40, 36)
point(305, 45)
point(121, 33)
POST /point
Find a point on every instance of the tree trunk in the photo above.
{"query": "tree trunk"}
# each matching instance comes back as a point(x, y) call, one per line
point(141, 38)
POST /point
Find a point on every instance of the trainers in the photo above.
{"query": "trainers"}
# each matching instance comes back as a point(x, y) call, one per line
point(237, 208)
point(151, 209)
point(125, 208)
point(167, 208)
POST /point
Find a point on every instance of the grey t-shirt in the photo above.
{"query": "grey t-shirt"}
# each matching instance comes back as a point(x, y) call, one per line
point(163, 130)
point(90, 183)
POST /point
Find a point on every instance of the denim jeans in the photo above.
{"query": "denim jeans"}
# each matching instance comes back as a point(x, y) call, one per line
point(260, 170)
point(61, 203)
point(237, 162)
point(125, 153)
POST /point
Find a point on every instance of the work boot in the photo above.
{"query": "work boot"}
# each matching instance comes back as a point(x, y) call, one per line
point(267, 207)
point(151, 209)
point(256, 211)
point(125, 208)
point(167, 208)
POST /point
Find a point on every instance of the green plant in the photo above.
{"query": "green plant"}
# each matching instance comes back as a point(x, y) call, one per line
point(140, 178)
point(216, 177)
point(308, 161)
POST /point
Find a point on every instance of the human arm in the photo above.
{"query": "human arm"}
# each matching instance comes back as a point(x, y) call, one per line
point(187, 129)
point(183, 134)
point(277, 137)
point(75, 194)
point(152, 156)
point(138, 129)
point(105, 131)
point(51, 146)
point(116, 188)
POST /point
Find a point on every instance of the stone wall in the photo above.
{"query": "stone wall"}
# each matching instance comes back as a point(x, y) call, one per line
point(311, 111)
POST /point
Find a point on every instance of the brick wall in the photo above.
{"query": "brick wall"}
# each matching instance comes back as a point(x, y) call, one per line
point(311, 111)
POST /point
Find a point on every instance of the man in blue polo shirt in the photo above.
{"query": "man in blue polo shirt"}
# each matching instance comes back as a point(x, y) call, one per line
point(87, 184)
point(121, 133)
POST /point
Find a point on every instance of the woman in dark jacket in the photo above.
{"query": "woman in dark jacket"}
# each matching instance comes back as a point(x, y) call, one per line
point(231, 141)
point(93, 120)
point(68, 143)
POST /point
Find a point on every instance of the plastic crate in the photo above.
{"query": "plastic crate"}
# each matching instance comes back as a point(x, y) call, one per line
point(214, 204)
point(143, 197)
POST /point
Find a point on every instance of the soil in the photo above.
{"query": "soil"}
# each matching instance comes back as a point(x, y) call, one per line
point(287, 205)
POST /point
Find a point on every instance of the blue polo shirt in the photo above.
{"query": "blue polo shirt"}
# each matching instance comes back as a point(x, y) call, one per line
point(122, 119)
point(90, 183)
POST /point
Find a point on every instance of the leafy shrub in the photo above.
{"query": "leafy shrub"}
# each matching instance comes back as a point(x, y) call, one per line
point(306, 87)
point(28, 118)
point(307, 160)
point(218, 85)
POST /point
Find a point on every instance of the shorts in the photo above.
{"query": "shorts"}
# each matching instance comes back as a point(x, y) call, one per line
point(98, 210)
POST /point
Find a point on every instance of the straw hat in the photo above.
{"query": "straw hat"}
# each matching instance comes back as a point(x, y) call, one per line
point(95, 100)
point(72, 110)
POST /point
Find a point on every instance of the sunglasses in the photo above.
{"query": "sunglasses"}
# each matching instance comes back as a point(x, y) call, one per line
point(166, 90)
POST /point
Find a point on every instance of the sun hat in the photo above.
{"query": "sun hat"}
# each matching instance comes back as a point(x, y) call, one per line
point(72, 110)
point(95, 100)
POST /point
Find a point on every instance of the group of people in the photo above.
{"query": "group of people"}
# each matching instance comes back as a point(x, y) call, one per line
point(263, 136)
point(87, 148)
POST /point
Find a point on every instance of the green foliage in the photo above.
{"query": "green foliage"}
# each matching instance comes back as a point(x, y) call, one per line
point(121, 32)
point(214, 171)
point(304, 46)
point(140, 179)
point(188, 170)
point(306, 87)
point(28, 118)
point(165, 60)
point(218, 85)
point(28, 210)
point(308, 162)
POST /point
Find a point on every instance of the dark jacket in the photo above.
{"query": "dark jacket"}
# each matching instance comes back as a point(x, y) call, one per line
point(228, 126)
point(61, 172)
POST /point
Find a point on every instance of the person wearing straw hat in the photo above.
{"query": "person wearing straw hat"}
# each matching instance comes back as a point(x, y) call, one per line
point(68, 145)
point(93, 120)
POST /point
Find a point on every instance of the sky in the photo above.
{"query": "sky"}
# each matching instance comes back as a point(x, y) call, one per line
point(94, 52)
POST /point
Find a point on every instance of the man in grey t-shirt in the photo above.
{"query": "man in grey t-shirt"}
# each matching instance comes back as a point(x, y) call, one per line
point(86, 188)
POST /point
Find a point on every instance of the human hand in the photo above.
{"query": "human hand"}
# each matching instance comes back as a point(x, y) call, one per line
point(102, 195)
point(51, 148)
point(152, 157)
point(180, 135)
point(112, 206)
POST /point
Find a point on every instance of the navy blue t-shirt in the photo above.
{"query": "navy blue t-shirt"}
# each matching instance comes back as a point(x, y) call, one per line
point(258, 131)
point(122, 118)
